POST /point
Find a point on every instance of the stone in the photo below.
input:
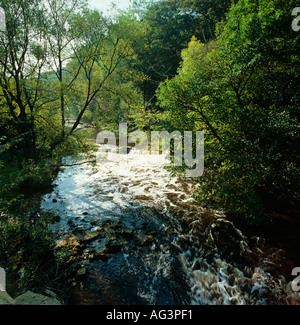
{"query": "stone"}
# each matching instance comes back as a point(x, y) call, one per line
point(81, 273)
point(71, 242)
point(32, 298)
point(85, 235)
point(226, 236)
point(144, 239)
point(6, 299)
point(230, 242)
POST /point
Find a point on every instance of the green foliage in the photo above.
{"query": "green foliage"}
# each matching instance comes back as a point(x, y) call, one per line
point(166, 30)
point(26, 252)
point(26, 243)
point(10, 177)
point(242, 91)
point(62, 64)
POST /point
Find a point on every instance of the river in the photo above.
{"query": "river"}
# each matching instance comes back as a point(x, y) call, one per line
point(164, 247)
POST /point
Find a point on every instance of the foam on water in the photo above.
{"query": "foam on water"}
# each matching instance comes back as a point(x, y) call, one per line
point(86, 195)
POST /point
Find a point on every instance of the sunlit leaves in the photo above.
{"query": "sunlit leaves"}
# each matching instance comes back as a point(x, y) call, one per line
point(242, 89)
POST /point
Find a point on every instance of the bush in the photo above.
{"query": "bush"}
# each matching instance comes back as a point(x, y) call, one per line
point(26, 252)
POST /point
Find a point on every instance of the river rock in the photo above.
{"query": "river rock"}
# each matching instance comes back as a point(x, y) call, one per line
point(226, 237)
point(85, 235)
point(71, 242)
point(32, 298)
point(81, 273)
point(6, 299)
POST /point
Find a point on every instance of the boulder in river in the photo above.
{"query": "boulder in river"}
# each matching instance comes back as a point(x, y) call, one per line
point(225, 235)
point(85, 235)
point(230, 242)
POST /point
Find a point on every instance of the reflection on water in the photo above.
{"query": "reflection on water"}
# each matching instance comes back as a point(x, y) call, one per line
point(177, 252)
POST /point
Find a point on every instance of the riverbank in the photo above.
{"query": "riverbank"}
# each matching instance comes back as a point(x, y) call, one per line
point(26, 244)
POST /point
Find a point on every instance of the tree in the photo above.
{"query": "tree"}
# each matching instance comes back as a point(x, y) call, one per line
point(208, 14)
point(51, 51)
point(242, 90)
point(167, 30)
point(61, 42)
point(21, 62)
point(104, 45)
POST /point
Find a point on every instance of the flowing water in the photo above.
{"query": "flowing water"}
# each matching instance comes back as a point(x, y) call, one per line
point(165, 247)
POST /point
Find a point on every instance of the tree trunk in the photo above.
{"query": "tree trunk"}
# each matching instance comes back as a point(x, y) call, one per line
point(62, 96)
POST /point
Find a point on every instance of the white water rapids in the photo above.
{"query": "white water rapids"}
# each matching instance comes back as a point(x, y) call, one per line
point(186, 257)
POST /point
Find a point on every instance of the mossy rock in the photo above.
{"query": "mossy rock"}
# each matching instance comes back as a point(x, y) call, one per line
point(85, 235)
